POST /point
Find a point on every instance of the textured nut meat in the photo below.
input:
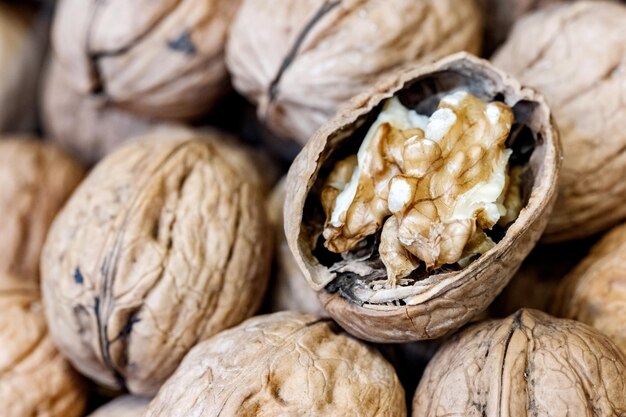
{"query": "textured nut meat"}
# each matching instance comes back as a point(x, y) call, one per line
point(427, 299)
point(161, 59)
point(126, 406)
point(288, 290)
point(284, 364)
point(163, 245)
point(35, 179)
point(529, 364)
point(575, 55)
point(595, 291)
point(35, 380)
point(87, 126)
point(299, 60)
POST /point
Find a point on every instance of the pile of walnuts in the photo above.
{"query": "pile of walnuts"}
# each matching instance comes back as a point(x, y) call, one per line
point(374, 208)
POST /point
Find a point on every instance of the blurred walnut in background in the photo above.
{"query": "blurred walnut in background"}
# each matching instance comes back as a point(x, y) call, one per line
point(575, 55)
point(299, 60)
point(125, 406)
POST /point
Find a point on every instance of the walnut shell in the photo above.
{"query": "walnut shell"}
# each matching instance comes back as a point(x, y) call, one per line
point(160, 59)
point(288, 290)
point(125, 406)
point(440, 302)
point(529, 364)
point(283, 364)
point(162, 246)
point(36, 181)
point(19, 55)
point(35, 380)
point(316, 54)
point(595, 291)
point(576, 57)
point(87, 126)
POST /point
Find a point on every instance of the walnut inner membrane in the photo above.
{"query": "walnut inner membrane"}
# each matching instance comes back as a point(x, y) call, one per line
point(423, 194)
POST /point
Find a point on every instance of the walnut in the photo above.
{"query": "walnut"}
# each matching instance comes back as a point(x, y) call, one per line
point(289, 290)
point(36, 180)
point(88, 126)
point(576, 58)
point(158, 59)
point(19, 55)
point(284, 364)
point(162, 246)
point(125, 406)
point(527, 364)
point(35, 380)
point(319, 53)
point(595, 291)
point(355, 286)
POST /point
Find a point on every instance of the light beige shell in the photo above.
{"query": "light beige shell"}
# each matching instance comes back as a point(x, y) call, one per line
point(299, 60)
point(87, 126)
point(125, 406)
point(35, 380)
point(595, 291)
point(162, 246)
point(35, 181)
point(161, 59)
point(574, 54)
point(284, 364)
point(529, 364)
point(288, 289)
point(19, 55)
point(442, 302)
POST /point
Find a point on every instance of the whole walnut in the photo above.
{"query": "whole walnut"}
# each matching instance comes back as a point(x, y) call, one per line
point(163, 245)
point(300, 60)
point(87, 126)
point(529, 364)
point(19, 55)
point(574, 54)
point(595, 291)
point(35, 380)
point(387, 206)
point(125, 406)
point(36, 179)
point(283, 364)
point(288, 290)
point(160, 59)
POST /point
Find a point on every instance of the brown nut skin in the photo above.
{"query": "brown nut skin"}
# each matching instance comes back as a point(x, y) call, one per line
point(529, 364)
point(36, 179)
point(582, 43)
point(288, 290)
point(162, 246)
point(446, 301)
point(87, 126)
point(300, 60)
point(595, 291)
point(125, 406)
point(160, 59)
point(35, 379)
point(284, 364)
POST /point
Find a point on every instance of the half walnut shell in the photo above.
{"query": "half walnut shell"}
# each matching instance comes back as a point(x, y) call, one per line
point(440, 300)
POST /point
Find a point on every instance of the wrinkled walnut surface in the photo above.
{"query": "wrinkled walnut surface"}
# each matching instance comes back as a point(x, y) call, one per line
point(529, 364)
point(161, 59)
point(35, 380)
point(288, 289)
point(87, 126)
point(35, 181)
point(429, 305)
point(162, 246)
point(574, 54)
point(299, 60)
point(126, 406)
point(284, 364)
point(595, 291)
